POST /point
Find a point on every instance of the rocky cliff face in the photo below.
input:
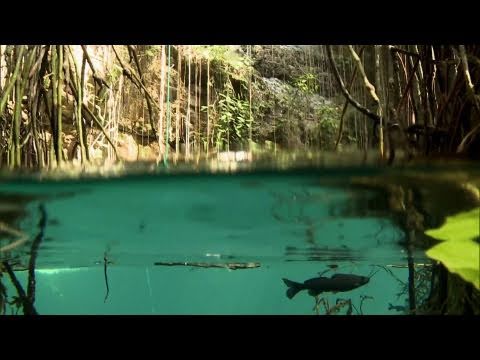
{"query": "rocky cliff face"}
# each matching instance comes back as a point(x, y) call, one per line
point(295, 95)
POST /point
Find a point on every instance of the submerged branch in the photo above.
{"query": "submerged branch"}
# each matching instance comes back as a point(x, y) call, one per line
point(105, 267)
point(34, 253)
point(231, 266)
point(28, 308)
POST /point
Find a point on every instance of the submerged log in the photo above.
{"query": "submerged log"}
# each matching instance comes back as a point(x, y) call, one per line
point(230, 266)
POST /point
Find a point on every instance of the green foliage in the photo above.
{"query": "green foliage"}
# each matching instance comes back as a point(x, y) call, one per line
point(328, 123)
point(227, 59)
point(458, 251)
point(233, 118)
point(231, 110)
point(461, 227)
point(307, 83)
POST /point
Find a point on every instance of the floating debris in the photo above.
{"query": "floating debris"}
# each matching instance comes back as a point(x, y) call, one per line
point(230, 266)
point(402, 266)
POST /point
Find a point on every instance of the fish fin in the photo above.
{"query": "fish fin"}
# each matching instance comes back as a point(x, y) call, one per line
point(293, 288)
point(324, 272)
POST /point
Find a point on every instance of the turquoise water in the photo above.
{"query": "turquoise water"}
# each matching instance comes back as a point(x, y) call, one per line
point(295, 225)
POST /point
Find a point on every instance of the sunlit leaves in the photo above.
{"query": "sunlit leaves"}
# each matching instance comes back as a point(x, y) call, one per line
point(462, 258)
point(459, 251)
point(461, 227)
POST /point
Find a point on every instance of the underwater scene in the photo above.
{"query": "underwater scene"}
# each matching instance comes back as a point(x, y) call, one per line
point(308, 241)
point(241, 179)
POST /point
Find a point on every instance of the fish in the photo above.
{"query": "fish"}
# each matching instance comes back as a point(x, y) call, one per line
point(318, 285)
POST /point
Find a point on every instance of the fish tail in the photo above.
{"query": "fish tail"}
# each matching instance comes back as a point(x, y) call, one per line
point(293, 288)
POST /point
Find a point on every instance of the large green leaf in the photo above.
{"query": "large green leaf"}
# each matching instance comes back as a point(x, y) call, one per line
point(459, 252)
point(464, 226)
point(460, 257)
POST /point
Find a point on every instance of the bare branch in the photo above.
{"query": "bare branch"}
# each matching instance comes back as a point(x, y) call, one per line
point(97, 78)
point(346, 93)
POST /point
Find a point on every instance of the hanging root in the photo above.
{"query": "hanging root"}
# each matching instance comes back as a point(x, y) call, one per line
point(28, 307)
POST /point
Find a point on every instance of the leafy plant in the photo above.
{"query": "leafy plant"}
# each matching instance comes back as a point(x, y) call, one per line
point(327, 128)
point(459, 251)
point(234, 118)
point(226, 58)
point(307, 83)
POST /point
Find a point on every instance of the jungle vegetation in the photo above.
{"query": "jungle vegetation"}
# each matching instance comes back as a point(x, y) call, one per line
point(95, 104)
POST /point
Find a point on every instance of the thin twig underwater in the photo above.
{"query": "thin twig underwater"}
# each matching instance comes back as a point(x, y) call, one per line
point(229, 266)
point(105, 263)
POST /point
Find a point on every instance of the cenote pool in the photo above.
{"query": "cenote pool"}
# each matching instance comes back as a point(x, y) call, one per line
point(203, 243)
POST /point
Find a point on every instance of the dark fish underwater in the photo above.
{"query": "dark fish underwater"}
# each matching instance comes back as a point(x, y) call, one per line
point(318, 285)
